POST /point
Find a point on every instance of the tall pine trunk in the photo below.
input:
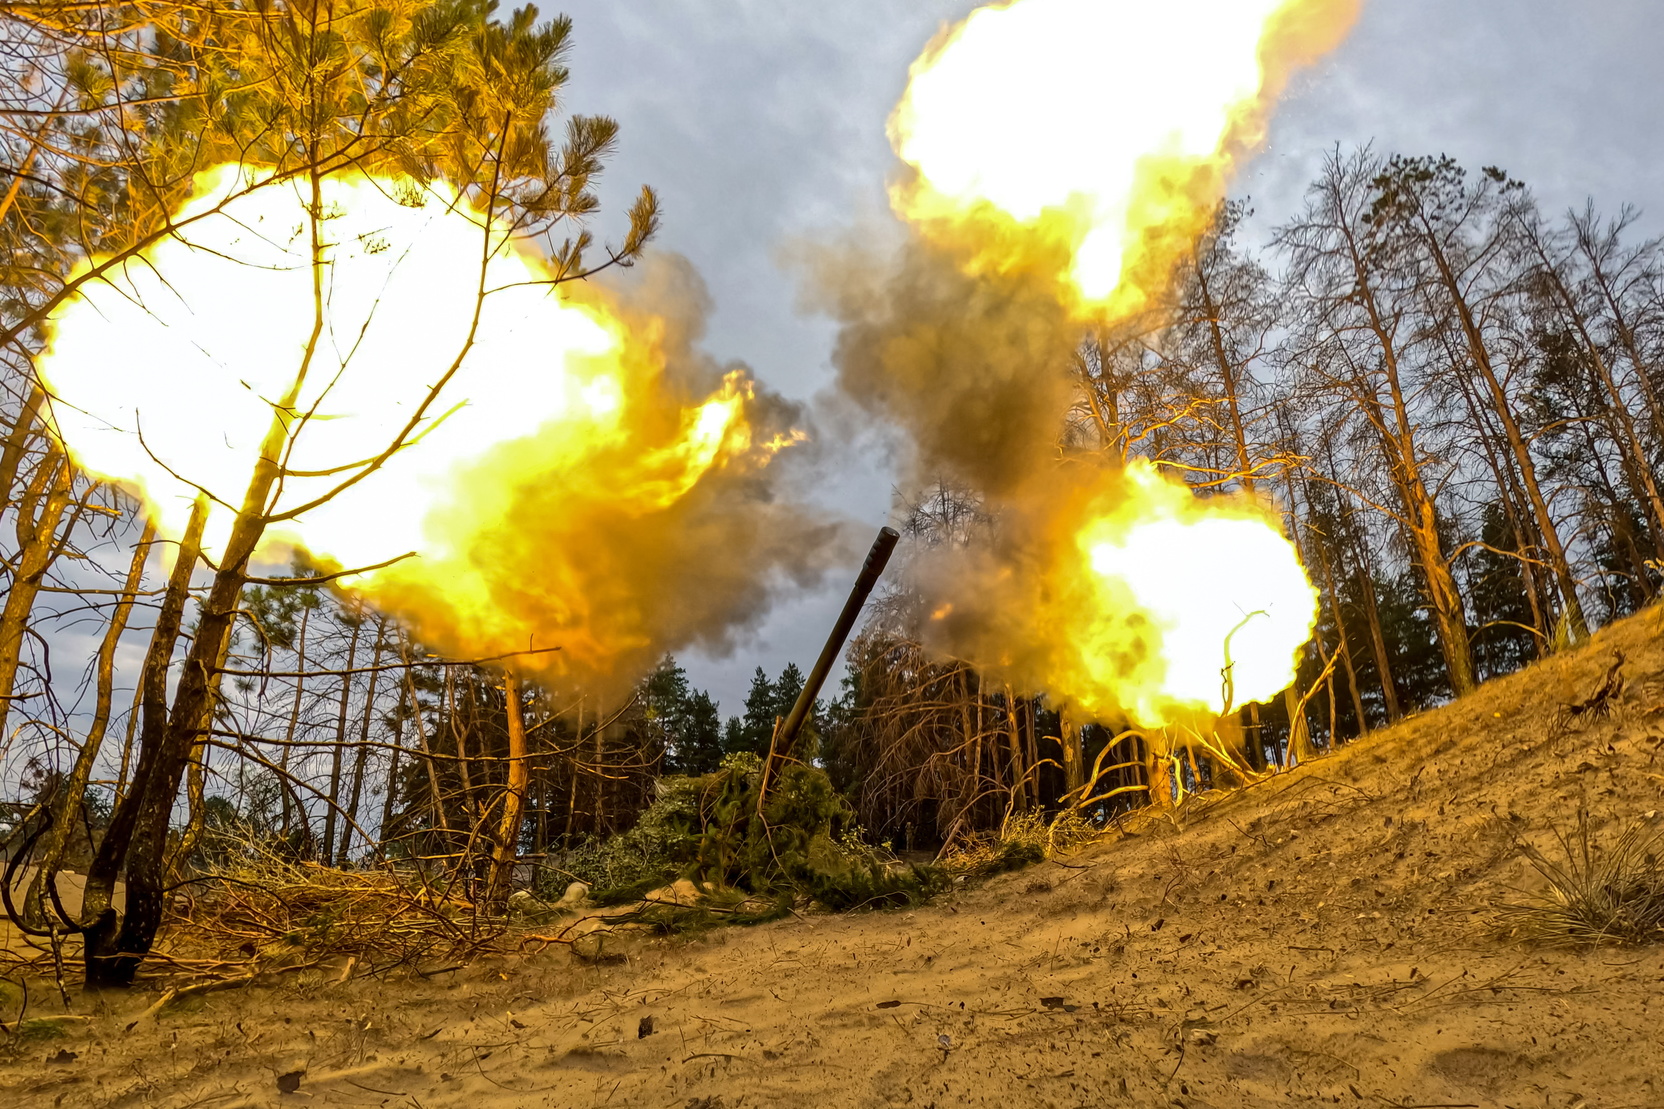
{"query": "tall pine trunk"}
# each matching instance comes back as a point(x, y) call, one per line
point(23, 431)
point(49, 855)
point(389, 800)
point(1633, 459)
point(286, 756)
point(99, 919)
point(113, 956)
point(332, 813)
point(436, 793)
point(1421, 518)
point(38, 515)
point(516, 776)
point(1480, 354)
point(363, 753)
point(1019, 766)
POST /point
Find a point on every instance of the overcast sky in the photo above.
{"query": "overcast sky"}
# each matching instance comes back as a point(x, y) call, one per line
point(761, 123)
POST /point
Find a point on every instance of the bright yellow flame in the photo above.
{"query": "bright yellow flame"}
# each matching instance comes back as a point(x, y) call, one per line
point(1123, 596)
point(1222, 601)
point(1085, 144)
point(1110, 125)
point(166, 372)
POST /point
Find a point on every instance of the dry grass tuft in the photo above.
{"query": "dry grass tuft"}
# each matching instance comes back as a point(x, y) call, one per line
point(1024, 839)
point(1596, 894)
point(276, 912)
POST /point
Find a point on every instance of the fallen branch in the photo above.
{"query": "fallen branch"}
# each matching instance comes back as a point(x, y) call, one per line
point(175, 993)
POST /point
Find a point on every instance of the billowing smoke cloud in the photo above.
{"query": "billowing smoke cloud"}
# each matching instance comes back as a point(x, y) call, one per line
point(574, 558)
point(970, 366)
point(1048, 193)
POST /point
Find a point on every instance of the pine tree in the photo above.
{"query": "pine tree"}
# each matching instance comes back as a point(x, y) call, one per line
point(700, 751)
point(684, 720)
point(447, 89)
point(733, 736)
point(756, 727)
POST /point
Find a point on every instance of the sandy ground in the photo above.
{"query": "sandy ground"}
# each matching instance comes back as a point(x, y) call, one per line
point(1324, 938)
point(71, 888)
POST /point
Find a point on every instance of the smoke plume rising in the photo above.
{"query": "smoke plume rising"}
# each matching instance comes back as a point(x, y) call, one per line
point(1059, 157)
point(573, 560)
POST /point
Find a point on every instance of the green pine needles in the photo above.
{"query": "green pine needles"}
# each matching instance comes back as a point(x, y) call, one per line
point(803, 846)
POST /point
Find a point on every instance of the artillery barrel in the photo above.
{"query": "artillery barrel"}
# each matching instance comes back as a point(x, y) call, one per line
point(877, 559)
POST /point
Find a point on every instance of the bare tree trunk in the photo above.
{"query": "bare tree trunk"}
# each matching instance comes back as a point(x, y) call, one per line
point(1195, 769)
point(459, 739)
point(98, 915)
point(1299, 730)
point(1158, 773)
point(341, 856)
point(976, 757)
point(112, 960)
point(540, 841)
point(1615, 510)
point(1327, 576)
point(1421, 522)
point(600, 775)
point(436, 792)
point(1398, 437)
point(1364, 578)
point(16, 445)
point(514, 798)
point(966, 725)
point(331, 814)
point(142, 819)
point(1028, 727)
point(196, 782)
point(1448, 609)
point(1019, 770)
point(1526, 466)
point(389, 800)
point(284, 757)
point(1334, 707)
point(1254, 745)
point(127, 741)
point(572, 791)
point(49, 855)
point(37, 539)
point(1074, 769)
point(1506, 492)
point(1378, 643)
point(1584, 229)
point(1633, 455)
point(1421, 527)
point(1344, 645)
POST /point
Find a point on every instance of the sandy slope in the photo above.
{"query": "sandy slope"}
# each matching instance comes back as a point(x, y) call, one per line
point(71, 888)
point(1320, 939)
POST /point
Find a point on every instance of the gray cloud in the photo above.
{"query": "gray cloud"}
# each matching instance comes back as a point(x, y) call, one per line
point(1563, 94)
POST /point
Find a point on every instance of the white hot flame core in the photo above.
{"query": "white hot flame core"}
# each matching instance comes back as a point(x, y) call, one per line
point(166, 372)
point(1057, 104)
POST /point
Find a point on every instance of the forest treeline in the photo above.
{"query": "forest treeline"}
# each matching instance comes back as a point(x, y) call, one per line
point(1455, 398)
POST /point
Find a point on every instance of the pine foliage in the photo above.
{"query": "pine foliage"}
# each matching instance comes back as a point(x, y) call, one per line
point(803, 845)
